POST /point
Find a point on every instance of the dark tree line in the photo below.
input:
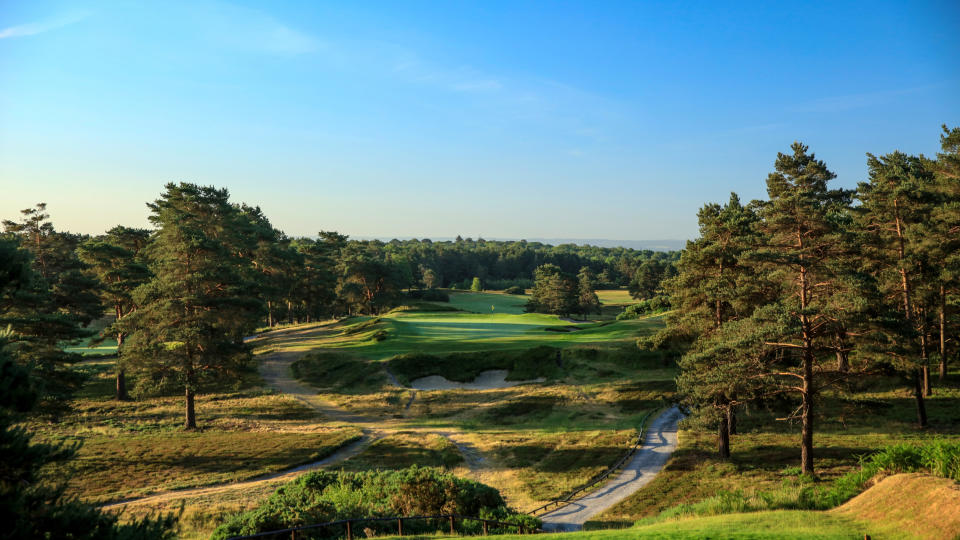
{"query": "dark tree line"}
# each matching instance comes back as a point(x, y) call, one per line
point(816, 286)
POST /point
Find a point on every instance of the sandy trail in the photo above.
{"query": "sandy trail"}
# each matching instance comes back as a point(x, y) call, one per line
point(659, 442)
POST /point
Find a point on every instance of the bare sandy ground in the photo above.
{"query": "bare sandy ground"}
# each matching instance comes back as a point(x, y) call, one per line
point(487, 380)
point(659, 442)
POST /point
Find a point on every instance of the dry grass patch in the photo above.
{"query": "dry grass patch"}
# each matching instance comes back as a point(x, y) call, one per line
point(403, 449)
point(116, 467)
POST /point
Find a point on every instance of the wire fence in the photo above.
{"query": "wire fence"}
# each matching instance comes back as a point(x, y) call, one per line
point(570, 497)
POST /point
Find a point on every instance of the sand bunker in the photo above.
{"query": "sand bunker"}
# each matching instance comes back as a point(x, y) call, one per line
point(487, 380)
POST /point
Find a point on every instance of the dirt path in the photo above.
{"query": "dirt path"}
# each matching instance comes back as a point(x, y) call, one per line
point(659, 442)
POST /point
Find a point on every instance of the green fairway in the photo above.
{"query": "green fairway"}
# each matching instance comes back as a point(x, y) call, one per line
point(619, 297)
point(485, 302)
point(459, 332)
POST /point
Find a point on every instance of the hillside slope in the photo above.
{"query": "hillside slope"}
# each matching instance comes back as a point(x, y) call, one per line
point(927, 506)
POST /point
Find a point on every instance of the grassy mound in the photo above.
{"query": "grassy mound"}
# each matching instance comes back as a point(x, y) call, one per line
point(329, 496)
point(464, 367)
point(927, 506)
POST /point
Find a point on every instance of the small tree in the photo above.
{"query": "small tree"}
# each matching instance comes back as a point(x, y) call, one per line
point(476, 286)
point(587, 300)
point(553, 291)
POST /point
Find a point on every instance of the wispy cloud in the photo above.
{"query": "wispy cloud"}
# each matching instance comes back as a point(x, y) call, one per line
point(856, 101)
point(247, 29)
point(34, 28)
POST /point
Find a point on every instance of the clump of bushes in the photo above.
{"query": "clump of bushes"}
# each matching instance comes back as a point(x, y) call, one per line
point(429, 295)
point(657, 304)
point(464, 367)
point(515, 290)
point(336, 369)
point(323, 496)
point(940, 458)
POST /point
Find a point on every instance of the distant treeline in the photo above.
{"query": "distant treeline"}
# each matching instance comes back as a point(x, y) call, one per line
point(502, 264)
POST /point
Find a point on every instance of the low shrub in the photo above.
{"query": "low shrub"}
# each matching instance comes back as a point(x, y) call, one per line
point(336, 369)
point(323, 496)
point(657, 304)
point(515, 290)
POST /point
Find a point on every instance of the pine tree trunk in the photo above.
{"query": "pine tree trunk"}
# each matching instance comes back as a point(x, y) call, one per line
point(918, 396)
point(943, 334)
point(190, 420)
point(269, 314)
point(806, 435)
point(843, 362)
point(925, 362)
point(731, 421)
point(191, 417)
point(121, 375)
point(723, 439)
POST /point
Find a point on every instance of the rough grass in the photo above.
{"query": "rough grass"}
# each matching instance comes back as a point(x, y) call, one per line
point(403, 449)
point(765, 455)
point(110, 468)
point(137, 447)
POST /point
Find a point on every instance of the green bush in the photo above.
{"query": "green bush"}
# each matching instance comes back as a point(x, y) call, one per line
point(657, 304)
point(322, 496)
point(515, 290)
point(335, 369)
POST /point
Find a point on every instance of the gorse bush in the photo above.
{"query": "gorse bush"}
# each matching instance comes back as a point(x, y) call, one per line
point(657, 304)
point(324, 496)
point(940, 458)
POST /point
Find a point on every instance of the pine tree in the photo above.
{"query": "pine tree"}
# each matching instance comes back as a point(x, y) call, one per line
point(802, 252)
point(197, 307)
point(714, 287)
point(476, 285)
point(942, 235)
point(894, 204)
point(553, 291)
point(117, 262)
point(587, 300)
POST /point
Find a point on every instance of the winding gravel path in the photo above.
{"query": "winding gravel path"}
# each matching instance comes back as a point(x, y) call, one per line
point(659, 442)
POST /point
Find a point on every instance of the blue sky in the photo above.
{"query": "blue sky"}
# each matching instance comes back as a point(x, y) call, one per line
point(496, 119)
